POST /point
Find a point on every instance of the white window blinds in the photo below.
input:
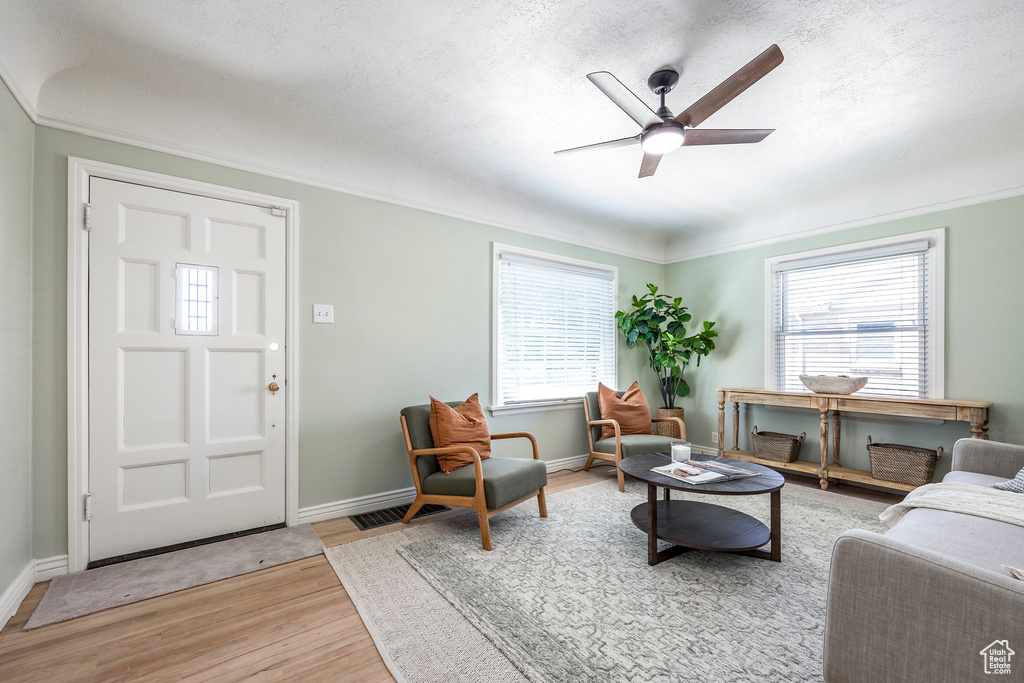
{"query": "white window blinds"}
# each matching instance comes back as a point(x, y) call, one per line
point(865, 312)
point(555, 329)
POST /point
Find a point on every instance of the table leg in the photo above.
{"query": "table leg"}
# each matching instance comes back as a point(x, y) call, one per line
point(774, 552)
point(979, 423)
point(823, 471)
point(736, 425)
point(667, 496)
point(776, 526)
point(652, 524)
point(721, 422)
point(835, 437)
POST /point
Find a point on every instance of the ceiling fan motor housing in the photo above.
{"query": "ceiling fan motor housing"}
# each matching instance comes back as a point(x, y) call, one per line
point(660, 139)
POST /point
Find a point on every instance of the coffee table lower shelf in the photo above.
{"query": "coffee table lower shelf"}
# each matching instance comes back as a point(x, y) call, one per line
point(704, 526)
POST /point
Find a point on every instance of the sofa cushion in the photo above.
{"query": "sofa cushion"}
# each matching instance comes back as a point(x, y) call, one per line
point(984, 543)
point(635, 444)
point(972, 478)
point(505, 480)
point(1016, 485)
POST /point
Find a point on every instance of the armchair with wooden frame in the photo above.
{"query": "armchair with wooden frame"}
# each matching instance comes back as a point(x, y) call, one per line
point(614, 449)
point(489, 486)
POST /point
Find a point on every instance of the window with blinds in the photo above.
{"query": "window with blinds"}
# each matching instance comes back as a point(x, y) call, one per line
point(868, 311)
point(554, 328)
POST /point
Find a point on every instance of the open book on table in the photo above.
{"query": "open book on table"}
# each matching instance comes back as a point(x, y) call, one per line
point(703, 471)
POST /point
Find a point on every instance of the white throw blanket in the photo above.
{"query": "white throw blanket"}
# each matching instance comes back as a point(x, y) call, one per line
point(969, 499)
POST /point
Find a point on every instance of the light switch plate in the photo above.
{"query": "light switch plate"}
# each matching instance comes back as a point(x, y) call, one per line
point(323, 313)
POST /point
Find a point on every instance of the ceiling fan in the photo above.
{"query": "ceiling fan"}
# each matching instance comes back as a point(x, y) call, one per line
point(662, 132)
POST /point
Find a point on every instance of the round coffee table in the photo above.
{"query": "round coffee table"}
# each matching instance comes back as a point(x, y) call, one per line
point(690, 524)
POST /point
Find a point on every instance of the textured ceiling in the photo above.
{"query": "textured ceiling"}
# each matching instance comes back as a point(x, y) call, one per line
point(881, 105)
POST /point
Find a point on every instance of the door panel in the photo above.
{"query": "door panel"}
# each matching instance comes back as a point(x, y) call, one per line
point(247, 306)
point(148, 225)
point(140, 296)
point(154, 398)
point(186, 297)
point(234, 385)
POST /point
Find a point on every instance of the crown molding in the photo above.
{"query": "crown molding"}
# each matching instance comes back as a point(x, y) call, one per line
point(155, 145)
point(669, 255)
point(666, 258)
point(860, 222)
point(19, 95)
point(304, 179)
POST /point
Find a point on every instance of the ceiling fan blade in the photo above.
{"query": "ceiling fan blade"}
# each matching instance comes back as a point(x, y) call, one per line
point(624, 97)
point(710, 136)
point(649, 165)
point(622, 142)
point(728, 89)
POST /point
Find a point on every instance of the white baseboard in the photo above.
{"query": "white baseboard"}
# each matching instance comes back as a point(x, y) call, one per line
point(570, 463)
point(356, 506)
point(16, 592)
point(379, 501)
point(50, 567)
point(704, 450)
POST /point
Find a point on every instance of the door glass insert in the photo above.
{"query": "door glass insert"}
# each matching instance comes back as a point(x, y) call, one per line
point(197, 298)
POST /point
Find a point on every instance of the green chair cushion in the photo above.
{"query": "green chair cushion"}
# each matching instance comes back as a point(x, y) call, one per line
point(635, 444)
point(505, 480)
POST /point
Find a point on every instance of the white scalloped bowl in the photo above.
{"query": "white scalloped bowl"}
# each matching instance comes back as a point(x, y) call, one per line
point(832, 384)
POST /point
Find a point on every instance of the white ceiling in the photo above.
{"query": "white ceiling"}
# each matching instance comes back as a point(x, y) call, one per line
point(456, 106)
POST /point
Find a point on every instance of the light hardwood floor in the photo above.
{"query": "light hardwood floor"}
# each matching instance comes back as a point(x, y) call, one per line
point(290, 622)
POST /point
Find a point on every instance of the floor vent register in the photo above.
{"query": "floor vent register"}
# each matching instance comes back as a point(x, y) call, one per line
point(372, 520)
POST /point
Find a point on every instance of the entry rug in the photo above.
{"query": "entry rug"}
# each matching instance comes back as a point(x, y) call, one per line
point(571, 598)
point(98, 589)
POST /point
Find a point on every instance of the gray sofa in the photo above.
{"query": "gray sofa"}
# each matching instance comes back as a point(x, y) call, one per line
point(920, 602)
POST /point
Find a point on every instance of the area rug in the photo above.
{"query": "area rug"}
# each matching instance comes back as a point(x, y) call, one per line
point(571, 598)
point(82, 593)
point(420, 636)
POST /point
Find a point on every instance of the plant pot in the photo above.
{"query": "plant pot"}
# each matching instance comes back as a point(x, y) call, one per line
point(669, 428)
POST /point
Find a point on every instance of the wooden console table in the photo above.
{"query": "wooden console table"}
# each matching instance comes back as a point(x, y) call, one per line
point(974, 412)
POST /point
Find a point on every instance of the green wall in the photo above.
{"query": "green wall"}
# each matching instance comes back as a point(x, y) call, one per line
point(16, 140)
point(984, 282)
point(412, 303)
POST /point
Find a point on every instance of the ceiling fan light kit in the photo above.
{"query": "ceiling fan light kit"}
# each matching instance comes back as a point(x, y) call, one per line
point(662, 132)
point(662, 139)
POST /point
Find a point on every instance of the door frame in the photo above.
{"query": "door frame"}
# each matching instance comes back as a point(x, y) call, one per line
point(79, 172)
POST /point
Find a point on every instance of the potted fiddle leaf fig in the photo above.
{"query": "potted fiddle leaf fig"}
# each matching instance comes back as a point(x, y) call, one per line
point(657, 323)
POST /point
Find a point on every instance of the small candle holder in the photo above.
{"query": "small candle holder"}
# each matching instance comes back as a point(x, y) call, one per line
point(680, 451)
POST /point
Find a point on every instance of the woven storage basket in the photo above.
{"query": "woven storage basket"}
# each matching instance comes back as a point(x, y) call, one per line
point(902, 464)
point(775, 446)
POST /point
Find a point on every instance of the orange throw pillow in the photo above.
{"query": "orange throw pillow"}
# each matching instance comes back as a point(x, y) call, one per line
point(630, 410)
point(464, 425)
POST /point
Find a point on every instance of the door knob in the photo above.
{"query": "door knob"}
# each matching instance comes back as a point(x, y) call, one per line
point(274, 387)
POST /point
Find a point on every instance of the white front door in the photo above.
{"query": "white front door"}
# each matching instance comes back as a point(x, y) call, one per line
point(186, 335)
